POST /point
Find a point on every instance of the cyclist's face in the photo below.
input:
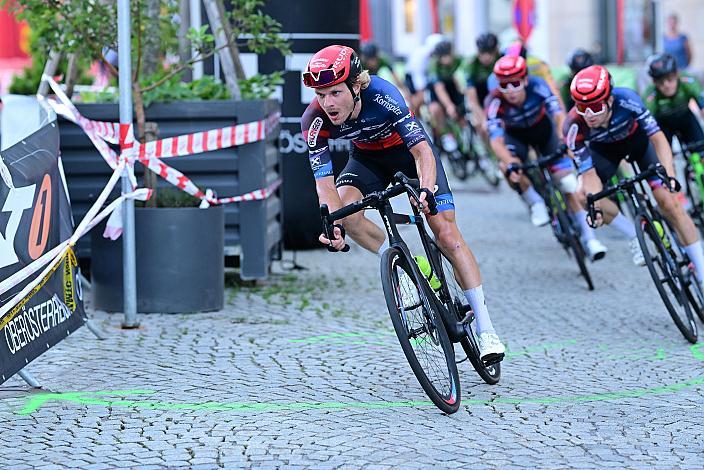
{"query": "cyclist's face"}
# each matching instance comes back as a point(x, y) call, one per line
point(516, 96)
point(667, 85)
point(445, 59)
point(599, 120)
point(336, 101)
point(486, 58)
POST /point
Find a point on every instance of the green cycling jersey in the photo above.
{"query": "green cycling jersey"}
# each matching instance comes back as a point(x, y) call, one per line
point(439, 72)
point(662, 106)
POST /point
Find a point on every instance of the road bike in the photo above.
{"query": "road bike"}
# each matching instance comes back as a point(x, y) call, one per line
point(427, 321)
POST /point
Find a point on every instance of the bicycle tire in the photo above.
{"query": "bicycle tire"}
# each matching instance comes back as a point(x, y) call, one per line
point(458, 164)
point(662, 261)
point(693, 289)
point(491, 374)
point(447, 400)
point(575, 245)
point(696, 210)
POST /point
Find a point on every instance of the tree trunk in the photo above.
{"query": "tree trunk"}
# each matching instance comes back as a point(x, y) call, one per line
point(49, 69)
point(71, 74)
point(229, 57)
point(150, 36)
point(184, 45)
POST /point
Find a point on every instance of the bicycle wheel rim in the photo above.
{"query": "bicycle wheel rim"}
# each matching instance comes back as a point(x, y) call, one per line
point(421, 333)
point(668, 280)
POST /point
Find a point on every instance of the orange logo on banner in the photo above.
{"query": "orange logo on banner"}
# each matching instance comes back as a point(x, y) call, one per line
point(41, 220)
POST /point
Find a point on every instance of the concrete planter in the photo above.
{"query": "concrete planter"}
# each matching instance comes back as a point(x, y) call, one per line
point(180, 265)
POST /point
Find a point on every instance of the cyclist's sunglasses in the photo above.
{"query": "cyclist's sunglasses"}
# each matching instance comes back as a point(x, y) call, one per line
point(322, 78)
point(513, 85)
point(595, 109)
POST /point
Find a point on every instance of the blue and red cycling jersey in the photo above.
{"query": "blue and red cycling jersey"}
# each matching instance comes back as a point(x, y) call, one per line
point(502, 115)
point(628, 115)
point(384, 122)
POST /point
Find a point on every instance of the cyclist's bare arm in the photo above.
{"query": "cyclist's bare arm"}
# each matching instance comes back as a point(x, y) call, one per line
point(664, 152)
point(559, 121)
point(425, 165)
point(327, 194)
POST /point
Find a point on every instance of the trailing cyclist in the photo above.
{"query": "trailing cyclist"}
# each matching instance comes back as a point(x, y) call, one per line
point(417, 71)
point(386, 138)
point(579, 59)
point(374, 61)
point(523, 113)
point(477, 70)
point(446, 99)
point(668, 99)
point(607, 125)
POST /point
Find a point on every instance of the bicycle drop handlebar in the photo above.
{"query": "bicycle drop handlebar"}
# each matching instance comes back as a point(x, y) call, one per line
point(653, 170)
point(403, 184)
point(540, 162)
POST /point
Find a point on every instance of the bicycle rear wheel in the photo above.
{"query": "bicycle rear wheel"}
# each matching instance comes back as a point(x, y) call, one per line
point(458, 164)
point(576, 249)
point(668, 279)
point(420, 330)
point(457, 304)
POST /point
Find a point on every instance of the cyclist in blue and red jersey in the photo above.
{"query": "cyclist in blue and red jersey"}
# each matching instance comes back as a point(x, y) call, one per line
point(522, 112)
point(605, 126)
point(386, 138)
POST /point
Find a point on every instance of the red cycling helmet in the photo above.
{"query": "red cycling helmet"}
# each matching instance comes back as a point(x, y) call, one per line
point(510, 67)
point(332, 65)
point(591, 85)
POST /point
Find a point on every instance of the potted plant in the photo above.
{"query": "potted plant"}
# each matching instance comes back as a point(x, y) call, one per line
point(87, 28)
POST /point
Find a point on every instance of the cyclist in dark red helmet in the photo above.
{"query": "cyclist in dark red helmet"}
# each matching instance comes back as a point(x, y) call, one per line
point(523, 113)
point(386, 138)
point(607, 125)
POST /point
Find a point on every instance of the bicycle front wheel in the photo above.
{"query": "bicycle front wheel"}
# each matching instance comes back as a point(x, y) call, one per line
point(575, 246)
point(664, 270)
point(420, 330)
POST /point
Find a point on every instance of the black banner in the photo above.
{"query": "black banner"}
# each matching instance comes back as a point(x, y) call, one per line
point(35, 216)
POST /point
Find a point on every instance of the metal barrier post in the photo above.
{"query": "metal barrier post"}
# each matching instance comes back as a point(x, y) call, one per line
point(128, 242)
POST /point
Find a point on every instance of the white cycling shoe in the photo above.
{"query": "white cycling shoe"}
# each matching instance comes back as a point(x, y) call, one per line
point(491, 349)
point(634, 246)
point(409, 291)
point(595, 249)
point(539, 214)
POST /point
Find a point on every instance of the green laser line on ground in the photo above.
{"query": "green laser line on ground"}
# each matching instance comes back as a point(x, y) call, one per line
point(35, 402)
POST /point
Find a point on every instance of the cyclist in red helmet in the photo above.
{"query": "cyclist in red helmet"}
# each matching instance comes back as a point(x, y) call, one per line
point(386, 138)
point(605, 126)
point(523, 113)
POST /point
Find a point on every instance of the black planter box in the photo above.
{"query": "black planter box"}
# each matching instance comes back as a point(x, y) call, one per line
point(253, 230)
point(180, 265)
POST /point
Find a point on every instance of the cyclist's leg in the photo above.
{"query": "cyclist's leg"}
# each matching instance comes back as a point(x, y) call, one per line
point(451, 242)
point(672, 209)
point(359, 178)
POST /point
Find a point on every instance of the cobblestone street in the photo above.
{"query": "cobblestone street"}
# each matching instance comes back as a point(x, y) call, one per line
point(306, 371)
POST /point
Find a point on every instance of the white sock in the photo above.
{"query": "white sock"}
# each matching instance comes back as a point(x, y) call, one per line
point(476, 300)
point(623, 225)
point(581, 218)
point(383, 247)
point(696, 254)
point(531, 196)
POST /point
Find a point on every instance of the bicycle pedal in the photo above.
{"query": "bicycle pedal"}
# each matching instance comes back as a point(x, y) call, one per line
point(493, 359)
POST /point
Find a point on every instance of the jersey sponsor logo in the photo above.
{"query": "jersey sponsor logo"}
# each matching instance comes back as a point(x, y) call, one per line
point(412, 127)
point(340, 57)
point(631, 105)
point(388, 103)
point(572, 136)
point(314, 130)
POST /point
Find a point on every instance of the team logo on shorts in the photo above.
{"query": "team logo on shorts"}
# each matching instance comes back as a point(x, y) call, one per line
point(314, 130)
